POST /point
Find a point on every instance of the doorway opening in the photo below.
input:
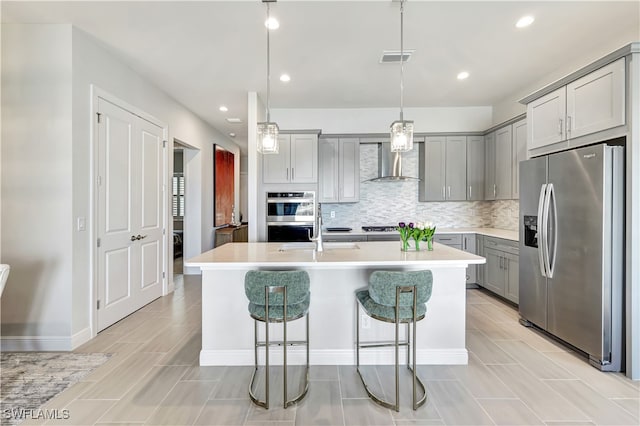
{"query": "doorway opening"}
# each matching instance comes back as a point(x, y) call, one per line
point(178, 199)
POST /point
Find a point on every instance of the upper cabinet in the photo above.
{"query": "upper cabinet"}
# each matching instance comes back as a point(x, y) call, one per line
point(443, 169)
point(475, 168)
point(505, 148)
point(519, 153)
point(504, 166)
point(296, 161)
point(596, 101)
point(338, 170)
point(590, 104)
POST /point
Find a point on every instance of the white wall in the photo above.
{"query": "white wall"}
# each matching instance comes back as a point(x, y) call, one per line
point(47, 74)
point(36, 180)
point(378, 120)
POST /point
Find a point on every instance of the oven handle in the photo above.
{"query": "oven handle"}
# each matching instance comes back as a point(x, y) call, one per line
point(290, 200)
point(290, 223)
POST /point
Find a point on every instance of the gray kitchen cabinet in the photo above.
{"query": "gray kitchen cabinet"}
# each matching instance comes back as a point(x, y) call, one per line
point(546, 116)
point(389, 236)
point(480, 252)
point(469, 245)
point(296, 161)
point(443, 169)
point(495, 277)
point(512, 265)
point(519, 153)
point(475, 167)
point(587, 105)
point(490, 166)
point(502, 267)
point(502, 184)
point(596, 101)
point(331, 238)
point(465, 242)
point(338, 170)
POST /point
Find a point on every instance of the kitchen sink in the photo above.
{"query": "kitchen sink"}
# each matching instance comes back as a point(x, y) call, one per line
point(312, 246)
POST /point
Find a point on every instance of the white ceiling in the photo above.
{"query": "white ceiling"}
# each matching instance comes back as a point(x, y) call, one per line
point(209, 53)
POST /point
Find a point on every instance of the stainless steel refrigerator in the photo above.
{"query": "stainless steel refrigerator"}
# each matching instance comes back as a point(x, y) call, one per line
point(571, 249)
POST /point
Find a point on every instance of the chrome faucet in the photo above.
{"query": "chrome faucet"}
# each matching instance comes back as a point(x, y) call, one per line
point(318, 238)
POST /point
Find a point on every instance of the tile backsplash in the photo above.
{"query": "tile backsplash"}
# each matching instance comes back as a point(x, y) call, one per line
point(387, 203)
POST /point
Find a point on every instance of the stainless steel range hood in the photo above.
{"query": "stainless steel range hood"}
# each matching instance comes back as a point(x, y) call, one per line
point(389, 165)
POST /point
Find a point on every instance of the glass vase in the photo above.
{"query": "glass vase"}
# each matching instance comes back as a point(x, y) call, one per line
point(430, 244)
point(405, 245)
point(417, 244)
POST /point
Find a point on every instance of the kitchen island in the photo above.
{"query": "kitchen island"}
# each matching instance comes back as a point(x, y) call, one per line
point(335, 273)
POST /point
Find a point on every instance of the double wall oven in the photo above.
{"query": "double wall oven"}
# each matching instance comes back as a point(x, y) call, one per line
point(291, 216)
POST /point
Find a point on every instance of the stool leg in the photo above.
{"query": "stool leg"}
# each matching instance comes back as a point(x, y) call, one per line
point(266, 349)
point(284, 385)
point(357, 335)
point(397, 405)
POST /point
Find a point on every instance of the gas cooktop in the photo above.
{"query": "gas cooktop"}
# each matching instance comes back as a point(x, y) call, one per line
point(378, 228)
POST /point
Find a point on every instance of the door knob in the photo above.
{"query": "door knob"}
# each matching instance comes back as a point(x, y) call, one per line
point(133, 238)
point(140, 237)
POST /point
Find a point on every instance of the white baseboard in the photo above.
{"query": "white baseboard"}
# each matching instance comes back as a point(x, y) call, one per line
point(297, 356)
point(80, 338)
point(35, 343)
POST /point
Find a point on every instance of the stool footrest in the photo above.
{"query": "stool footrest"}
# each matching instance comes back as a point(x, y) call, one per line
point(382, 344)
point(281, 343)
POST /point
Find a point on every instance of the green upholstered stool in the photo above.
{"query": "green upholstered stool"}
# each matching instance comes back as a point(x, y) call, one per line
point(395, 297)
point(277, 296)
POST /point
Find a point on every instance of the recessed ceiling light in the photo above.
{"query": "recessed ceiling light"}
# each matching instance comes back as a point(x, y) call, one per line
point(224, 108)
point(234, 120)
point(233, 135)
point(525, 21)
point(285, 78)
point(272, 23)
point(462, 75)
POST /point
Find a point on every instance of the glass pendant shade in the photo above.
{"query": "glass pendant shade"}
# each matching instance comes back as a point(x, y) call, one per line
point(268, 138)
point(401, 136)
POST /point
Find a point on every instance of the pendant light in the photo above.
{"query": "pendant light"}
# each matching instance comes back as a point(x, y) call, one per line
point(401, 130)
point(268, 130)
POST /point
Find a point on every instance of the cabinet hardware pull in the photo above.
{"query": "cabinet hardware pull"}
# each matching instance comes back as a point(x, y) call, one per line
point(494, 190)
point(560, 126)
point(449, 192)
point(287, 173)
point(292, 178)
point(470, 191)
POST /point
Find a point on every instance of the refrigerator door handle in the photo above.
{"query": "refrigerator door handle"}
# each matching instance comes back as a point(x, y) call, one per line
point(542, 230)
point(545, 228)
point(551, 263)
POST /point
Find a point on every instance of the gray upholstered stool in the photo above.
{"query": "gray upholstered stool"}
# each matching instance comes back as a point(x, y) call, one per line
point(395, 297)
point(277, 296)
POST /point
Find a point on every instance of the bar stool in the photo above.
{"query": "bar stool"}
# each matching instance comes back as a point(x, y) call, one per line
point(395, 297)
point(274, 297)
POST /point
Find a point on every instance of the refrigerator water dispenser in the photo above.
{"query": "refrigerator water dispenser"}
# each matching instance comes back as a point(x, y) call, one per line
point(531, 231)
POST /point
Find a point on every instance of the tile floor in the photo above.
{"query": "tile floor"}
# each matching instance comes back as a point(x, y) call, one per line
point(515, 376)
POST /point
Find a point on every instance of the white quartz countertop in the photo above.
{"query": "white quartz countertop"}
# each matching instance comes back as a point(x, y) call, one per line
point(335, 255)
point(491, 232)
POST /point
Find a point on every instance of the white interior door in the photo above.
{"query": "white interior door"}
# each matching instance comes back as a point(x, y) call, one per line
point(129, 213)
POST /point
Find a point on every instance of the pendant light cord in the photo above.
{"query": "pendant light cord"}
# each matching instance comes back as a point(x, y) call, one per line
point(268, 68)
point(401, 60)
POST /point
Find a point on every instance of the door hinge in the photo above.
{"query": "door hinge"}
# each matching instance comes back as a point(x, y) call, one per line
point(99, 115)
point(98, 304)
point(164, 144)
point(99, 180)
point(163, 275)
point(98, 242)
point(164, 231)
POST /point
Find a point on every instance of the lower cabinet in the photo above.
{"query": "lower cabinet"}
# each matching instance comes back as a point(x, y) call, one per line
point(465, 242)
point(328, 238)
point(501, 270)
point(480, 269)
